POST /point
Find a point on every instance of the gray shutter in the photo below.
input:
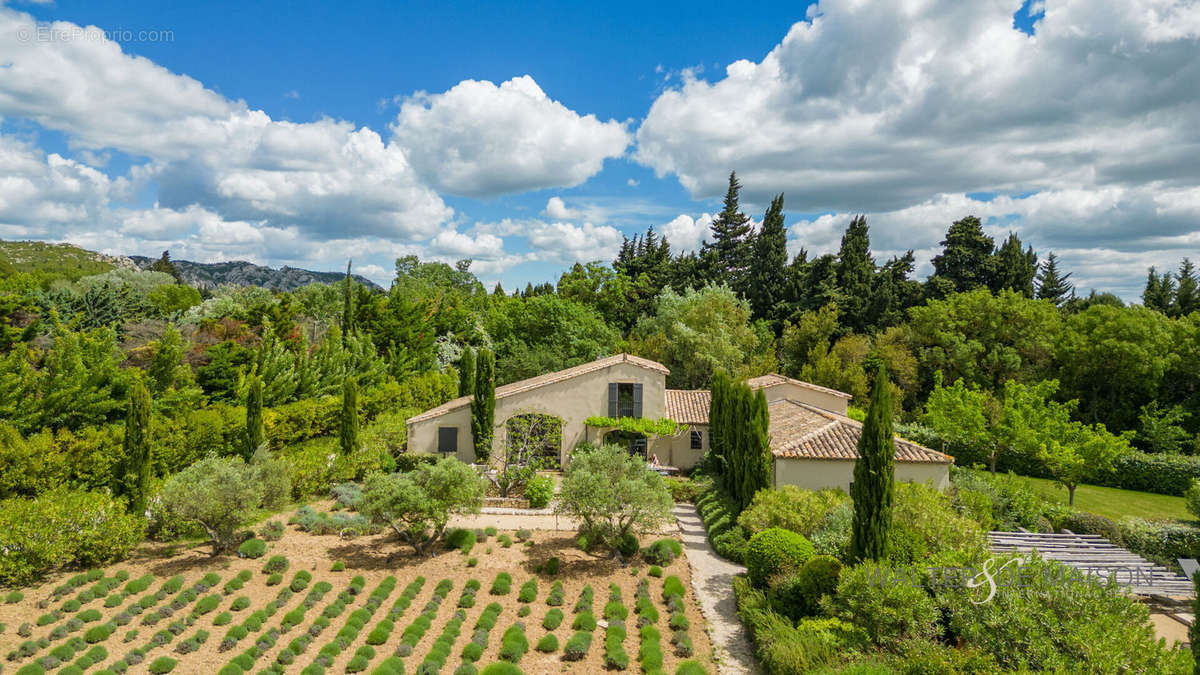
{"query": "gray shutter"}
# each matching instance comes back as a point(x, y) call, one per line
point(637, 400)
point(612, 399)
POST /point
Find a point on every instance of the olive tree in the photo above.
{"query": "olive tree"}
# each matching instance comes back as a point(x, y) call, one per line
point(418, 504)
point(221, 494)
point(613, 494)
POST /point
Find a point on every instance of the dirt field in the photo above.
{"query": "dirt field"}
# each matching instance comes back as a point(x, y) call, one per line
point(373, 558)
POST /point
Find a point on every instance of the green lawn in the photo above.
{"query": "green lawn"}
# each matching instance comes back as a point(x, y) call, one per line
point(1115, 503)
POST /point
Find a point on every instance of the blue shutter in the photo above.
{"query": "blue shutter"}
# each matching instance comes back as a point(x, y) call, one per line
point(612, 399)
point(637, 400)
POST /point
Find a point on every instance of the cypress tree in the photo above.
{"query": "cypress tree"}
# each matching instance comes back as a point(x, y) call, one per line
point(255, 436)
point(768, 274)
point(347, 306)
point(757, 459)
point(1051, 284)
point(483, 406)
point(717, 434)
point(348, 429)
point(466, 372)
point(135, 477)
point(1014, 267)
point(874, 476)
point(855, 272)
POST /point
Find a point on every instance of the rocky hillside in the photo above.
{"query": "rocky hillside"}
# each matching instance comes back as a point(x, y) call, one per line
point(241, 273)
point(47, 262)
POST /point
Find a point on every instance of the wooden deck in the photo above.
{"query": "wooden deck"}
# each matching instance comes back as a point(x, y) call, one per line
point(1094, 555)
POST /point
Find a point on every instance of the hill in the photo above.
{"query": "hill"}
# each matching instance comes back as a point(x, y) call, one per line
point(242, 273)
point(47, 262)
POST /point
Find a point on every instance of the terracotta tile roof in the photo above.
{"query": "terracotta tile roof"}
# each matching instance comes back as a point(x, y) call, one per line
point(800, 431)
point(688, 406)
point(543, 380)
point(772, 379)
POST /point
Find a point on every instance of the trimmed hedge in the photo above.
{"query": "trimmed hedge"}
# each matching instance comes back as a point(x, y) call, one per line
point(775, 550)
point(719, 513)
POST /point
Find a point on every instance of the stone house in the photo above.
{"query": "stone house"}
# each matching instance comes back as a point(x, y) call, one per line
point(812, 439)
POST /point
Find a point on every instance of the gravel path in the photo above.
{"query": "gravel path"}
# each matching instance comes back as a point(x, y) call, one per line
point(712, 580)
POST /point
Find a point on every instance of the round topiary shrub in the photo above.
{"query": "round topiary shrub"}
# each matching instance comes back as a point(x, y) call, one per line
point(163, 664)
point(775, 550)
point(252, 548)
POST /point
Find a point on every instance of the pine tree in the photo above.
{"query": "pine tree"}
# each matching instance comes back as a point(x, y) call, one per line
point(874, 476)
point(1187, 300)
point(728, 257)
point(164, 265)
point(1160, 290)
point(498, 291)
point(966, 261)
point(348, 429)
point(1051, 285)
point(1014, 267)
point(255, 435)
point(347, 306)
point(466, 372)
point(483, 406)
point(768, 273)
point(135, 476)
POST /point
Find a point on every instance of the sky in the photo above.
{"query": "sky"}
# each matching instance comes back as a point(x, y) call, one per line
point(528, 136)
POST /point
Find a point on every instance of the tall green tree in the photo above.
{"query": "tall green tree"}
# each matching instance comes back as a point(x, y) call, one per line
point(168, 356)
point(347, 304)
point(1159, 292)
point(728, 256)
point(348, 429)
point(1187, 297)
point(966, 261)
point(767, 289)
point(874, 477)
point(1051, 284)
point(255, 436)
point(757, 459)
point(135, 474)
point(483, 406)
point(855, 271)
point(164, 265)
point(1014, 268)
point(466, 372)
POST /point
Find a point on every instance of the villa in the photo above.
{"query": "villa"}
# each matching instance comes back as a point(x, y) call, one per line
point(813, 441)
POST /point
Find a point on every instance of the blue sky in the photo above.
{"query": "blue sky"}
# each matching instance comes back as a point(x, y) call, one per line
point(528, 135)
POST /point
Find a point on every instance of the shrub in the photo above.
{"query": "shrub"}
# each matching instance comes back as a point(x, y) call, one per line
point(553, 619)
point(162, 664)
point(528, 592)
point(551, 566)
point(63, 528)
point(548, 644)
point(220, 493)
point(98, 633)
point(472, 562)
point(461, 539)
point(798, 594)
point(513, 644)
point(275, 563)
point(240, 603)
point(275, 579)
point(501, 669)
point(539, 490)
point(14, 597)
point(252, 548)
point(502, 585)
point(890, 611)
point(662, 552)
point(790, 508)
point(1090, 523)
point(577, 646)
point(673, 587)
point(654, 571)
point(683, 490)
point(505, 541)
point(417, 504)
point(584, 621)
point(775, 550)
point(272, 531)
point(524, 535)
point(691, 668)
point(1163, 543)
point(300, 581)
point(337, 566)
point(718, 512)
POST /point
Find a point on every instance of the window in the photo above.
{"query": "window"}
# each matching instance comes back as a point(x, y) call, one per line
point(697, 440)
point(624, 399)
point(448, 440)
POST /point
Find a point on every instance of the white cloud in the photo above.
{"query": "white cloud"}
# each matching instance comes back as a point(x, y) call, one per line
point(631, 183)
point(685, 233)
point(324, 177)
point(558, 242)
point(454, 243)
point(879, 106)
point(481, 140)
point(556, 209)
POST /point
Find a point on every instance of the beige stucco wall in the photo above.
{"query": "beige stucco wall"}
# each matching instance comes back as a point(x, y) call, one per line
point(677, 451)
point(795, 392)
point(573, 400)
point(817, 474)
